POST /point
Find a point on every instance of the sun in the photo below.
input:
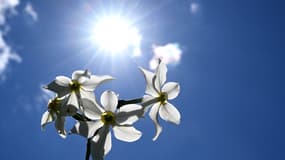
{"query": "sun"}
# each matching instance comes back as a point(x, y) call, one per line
point(114, 34)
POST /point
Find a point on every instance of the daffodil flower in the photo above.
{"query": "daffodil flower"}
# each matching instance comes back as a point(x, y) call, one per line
point(161, 92)
point(103, 119)
point(57, 111)
point(82, 85)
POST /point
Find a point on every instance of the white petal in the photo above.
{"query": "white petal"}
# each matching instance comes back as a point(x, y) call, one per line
point(108, 143)
point(160, 75)
point(153, 114)
point(169, 113)
point(172, 89)
point(126, 133)
point(72, 100)
point(101, 144)
point(86, 129)
point(81, 75)
point(109, 101)
point(63, 81)
point(46, 118)
point(128, 114)
point(130, 108)
point(59, 125)
point(94, 81)
point(91, 110)
point(150, 89)
point(87, 95)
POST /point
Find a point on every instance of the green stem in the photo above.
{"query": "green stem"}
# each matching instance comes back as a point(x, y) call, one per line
point(132, 101)
point(88, 149)
point(150, 102)
point(88, 145)
point(136, 101)
point(80, 117)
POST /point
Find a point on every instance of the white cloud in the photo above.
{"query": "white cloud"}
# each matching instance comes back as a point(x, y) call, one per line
point(6, 53)
point(194, 7)
point(29, 10)
point(7, 5)
point(169, 54)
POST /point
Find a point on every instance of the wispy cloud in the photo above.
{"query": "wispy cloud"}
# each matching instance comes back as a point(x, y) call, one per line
point(6, 53)
point(194, 7)
point(29, 10)
point(7, 6)
point(169, 54)
point(33, 104)
point(38, 103)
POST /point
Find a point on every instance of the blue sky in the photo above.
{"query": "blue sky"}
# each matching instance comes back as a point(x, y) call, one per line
point(231, 73)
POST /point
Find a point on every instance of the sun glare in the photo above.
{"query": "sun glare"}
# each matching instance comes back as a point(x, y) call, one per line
point(115, 34)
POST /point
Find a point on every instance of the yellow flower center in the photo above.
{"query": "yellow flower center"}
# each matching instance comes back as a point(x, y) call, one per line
point(163, 97)
point(108, 118)
point(75, 85)
point(54, 105)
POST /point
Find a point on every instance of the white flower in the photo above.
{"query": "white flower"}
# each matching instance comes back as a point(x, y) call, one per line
point(157, 89)
point(82, 85)
point(120, 120)
point(57, 111)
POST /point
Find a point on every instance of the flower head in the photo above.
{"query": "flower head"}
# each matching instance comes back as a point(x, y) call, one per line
point(106, 117)
point(57, 111)
point(157, 89)
point(82, 85)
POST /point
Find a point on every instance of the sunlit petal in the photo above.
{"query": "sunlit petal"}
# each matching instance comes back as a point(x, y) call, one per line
point(160, 75)
point(63, 81)
point(46, 118)
point(72, 100)
point(87, 95)
point(94, 81)
point(109, 100)
point(172, 89)
point(81, 75)
point(153, 114)
point(150, 89)
point(126, 133)
point(91, 110)
point(169, 113)
point(128, 114)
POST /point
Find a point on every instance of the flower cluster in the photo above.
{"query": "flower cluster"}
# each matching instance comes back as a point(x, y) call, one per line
point(75, 98)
